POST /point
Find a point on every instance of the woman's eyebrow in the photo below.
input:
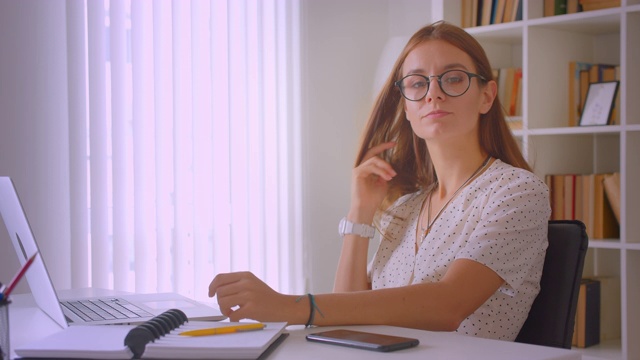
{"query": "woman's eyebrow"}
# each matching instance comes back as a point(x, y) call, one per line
point(446, 67)
point(455, 66)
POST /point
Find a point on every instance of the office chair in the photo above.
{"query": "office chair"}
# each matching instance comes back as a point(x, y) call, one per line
point(552, 316)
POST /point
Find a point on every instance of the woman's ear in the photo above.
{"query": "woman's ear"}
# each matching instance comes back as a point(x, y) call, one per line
point(489, 93)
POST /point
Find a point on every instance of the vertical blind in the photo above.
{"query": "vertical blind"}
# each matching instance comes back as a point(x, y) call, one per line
point(184, 145)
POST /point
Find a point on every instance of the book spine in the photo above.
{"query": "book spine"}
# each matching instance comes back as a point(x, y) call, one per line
point(612, 191)
point(593, 199)
point(151, 330)
point(587, 326)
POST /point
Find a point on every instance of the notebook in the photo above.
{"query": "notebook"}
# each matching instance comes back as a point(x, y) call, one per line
point(158, 338)
point(123, 309)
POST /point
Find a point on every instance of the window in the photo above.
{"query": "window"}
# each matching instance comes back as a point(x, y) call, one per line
point(184, 145)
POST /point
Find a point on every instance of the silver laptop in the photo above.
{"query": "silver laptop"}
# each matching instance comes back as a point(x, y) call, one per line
point(121, 309)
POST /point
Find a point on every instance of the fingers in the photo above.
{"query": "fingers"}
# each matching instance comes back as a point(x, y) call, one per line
point(225, 287)
point(378, 149)
point(222, 280)
point(376, 166)
point(373, 164)
point(239, 295)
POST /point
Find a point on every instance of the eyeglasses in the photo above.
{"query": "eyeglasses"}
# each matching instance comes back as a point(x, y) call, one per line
point(454, 83)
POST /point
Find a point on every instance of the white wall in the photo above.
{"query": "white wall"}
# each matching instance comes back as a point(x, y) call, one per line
point(33, 126)
point(342, 42)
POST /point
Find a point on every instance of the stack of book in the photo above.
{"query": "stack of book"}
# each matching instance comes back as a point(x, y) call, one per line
point(581, 75)
point(590, 198)
point(488, 12)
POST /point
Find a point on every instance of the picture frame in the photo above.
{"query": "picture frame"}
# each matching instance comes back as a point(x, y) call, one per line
point(599, 103)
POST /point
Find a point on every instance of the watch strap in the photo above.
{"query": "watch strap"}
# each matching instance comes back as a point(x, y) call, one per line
point(346, 227)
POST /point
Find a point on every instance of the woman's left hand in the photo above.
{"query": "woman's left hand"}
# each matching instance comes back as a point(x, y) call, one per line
point(241, 295)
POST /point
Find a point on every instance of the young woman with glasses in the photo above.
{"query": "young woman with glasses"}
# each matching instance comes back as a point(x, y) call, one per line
point(462, 219)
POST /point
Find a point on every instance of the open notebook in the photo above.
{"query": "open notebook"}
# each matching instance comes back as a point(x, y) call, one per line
point(158, 338)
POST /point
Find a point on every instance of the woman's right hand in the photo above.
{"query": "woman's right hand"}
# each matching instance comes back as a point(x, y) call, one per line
point(369, 184)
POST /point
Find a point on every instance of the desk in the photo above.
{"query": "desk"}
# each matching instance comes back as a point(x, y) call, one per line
point(433, 346)
point(27, 322)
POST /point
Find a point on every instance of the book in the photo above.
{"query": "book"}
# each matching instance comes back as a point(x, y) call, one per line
point(517, 11)
point(607, 74)
point(585, 76)
point(485, 14)
point(605, 225)
point(510, 90)
point(558, 198)
point(478, 11)
point(587, 325)
point(578, 198)
point(498, 11)
point(547, 8)
point(573, 6)
point(517, 80)
point(590, 5)
point(611, 184)
point(588, 185)
point(575, 99)
point(600, 72)
point(157, 338)
point(467, 13)
point(569, 196)
point(518, 107)
point(502, 85)
point(474, 13)
point(555, 7)
point(508, 10)
point(610, 321)
point(612, 73)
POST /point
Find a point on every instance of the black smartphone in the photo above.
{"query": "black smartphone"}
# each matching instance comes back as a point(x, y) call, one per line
point(363, 340)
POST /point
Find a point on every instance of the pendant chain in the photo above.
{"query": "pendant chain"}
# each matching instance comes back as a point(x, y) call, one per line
point(430, 223)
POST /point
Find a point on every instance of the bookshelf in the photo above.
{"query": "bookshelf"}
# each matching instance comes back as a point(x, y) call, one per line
point(543, 47)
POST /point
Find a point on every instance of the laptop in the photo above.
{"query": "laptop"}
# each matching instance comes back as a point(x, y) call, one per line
point(120, 309)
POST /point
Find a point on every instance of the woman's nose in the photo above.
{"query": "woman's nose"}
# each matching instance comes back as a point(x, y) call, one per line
point(434, 91)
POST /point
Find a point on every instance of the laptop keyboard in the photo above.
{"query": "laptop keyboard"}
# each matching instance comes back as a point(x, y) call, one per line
point(111, 309)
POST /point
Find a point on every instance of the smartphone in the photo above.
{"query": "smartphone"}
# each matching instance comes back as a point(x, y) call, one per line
point(363, 340)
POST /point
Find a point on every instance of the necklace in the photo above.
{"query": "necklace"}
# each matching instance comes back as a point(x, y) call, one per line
point(430, 223)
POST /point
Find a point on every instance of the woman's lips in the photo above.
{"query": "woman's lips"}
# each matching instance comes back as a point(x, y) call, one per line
point(437, 114)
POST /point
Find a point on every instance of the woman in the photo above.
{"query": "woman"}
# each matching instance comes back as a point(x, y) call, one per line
point(463, 221)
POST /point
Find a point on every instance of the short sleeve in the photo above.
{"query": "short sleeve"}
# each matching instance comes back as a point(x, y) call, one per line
point(511, 237)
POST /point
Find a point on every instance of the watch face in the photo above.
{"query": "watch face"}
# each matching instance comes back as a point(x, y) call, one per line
point(342, 228)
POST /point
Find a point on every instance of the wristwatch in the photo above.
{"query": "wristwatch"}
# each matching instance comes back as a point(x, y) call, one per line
point(346, 227)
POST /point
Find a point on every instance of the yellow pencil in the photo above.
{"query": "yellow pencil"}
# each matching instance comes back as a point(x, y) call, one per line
point(224, 329)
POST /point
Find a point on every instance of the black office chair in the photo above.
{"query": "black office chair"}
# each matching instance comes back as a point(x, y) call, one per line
point(553, 313)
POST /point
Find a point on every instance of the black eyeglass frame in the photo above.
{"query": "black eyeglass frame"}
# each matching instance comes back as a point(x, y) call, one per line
point(439, 79)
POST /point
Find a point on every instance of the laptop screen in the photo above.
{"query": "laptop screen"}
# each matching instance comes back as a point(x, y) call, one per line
point(25, 245)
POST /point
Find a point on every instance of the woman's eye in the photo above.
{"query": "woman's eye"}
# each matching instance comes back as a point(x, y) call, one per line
point(419, 84)
point(453, 79)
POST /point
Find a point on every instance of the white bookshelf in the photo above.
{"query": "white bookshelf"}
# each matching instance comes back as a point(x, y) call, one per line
point(543, 47)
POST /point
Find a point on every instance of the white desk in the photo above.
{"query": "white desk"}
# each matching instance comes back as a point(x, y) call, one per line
point(27, 323)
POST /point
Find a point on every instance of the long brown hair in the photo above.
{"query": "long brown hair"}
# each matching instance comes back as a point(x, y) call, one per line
point(410, 157)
